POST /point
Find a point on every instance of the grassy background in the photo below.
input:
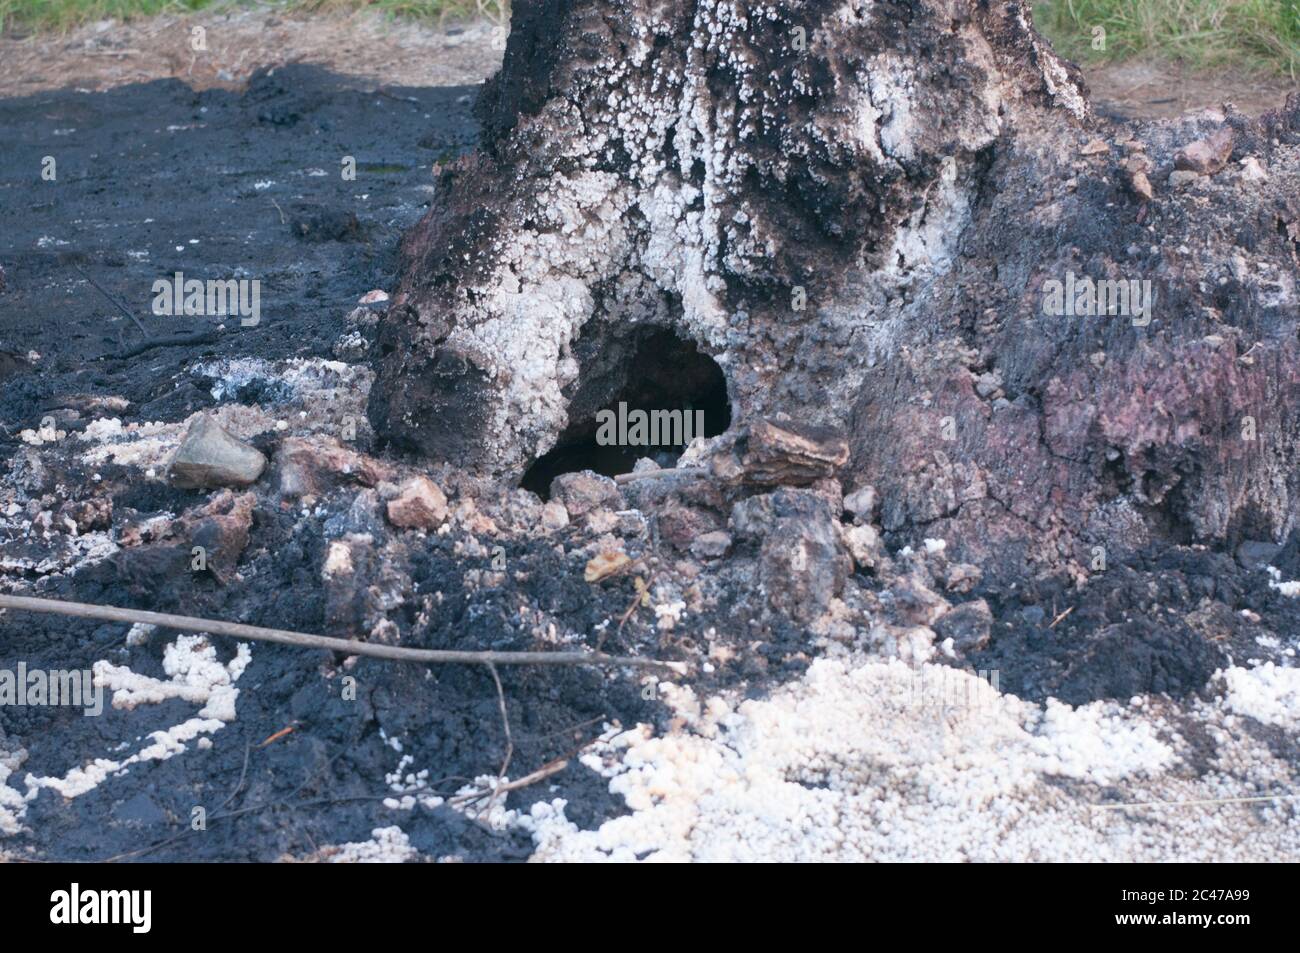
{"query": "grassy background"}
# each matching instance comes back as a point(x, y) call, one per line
point(1257, 34)
point(1253, 34)
point(63, 14)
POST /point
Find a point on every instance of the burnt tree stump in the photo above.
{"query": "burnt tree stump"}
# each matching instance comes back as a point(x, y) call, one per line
point(879, 218)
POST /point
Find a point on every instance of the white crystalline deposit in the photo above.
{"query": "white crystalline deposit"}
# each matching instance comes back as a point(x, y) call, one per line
point(389, 845)
point(856, 761)
point(195, 675)
point(1267, 693)
point(1100, 742)
point(1290, 588)
point(12, 803)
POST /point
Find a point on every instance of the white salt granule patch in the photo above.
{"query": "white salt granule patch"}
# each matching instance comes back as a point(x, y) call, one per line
point(389, 845)
point(196, 676)
point(12, 803)
point(853, 762)
point(668, 614)
point(139, 633)
point(1099, 742)
point(1267, 693)
point(1290, 588)
point(162, 746)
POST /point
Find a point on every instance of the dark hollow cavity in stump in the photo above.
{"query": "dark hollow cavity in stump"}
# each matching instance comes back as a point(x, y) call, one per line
point(680, 392)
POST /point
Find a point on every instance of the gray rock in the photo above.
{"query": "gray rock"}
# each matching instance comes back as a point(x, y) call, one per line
point(802, 564)
point(1256, 553)
point(862, 502)
point(711, 545)
point(209, 456)
point(1180, 178)
point(756, 516)
point(584, 491)
point(968, 625)
point(1207, 156)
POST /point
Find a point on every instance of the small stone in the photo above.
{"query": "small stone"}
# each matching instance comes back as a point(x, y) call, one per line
point(1252, 171)
point(711, 545)
point(554, 516)
point(861, 503)
point(680, 525)
point(319, 223)
point(1181, 178)
point(786, 453)
point(139, 634)
point(1140, 185)
point(87, 515)
point(345, 573)
point(600, 521)
point(373, 297)
point(962, 577)
point(967, 624)
point(1207, 156)
point(1095, 147)
point(988, 384)
point(801, 567)
point(209, 457)
point(1255, 554)
point(1138, 162)
point(584, 491)
point(310, 466)
point(630, 523)
point(605, 564)
point(221, 527)
point(914, 602)
point(864, 545)
point(419, 504)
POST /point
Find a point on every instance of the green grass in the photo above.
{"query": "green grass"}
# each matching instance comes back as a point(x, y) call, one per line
point(58, 15)
point(1255, 34)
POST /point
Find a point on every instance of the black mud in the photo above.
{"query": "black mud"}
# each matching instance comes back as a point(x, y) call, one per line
point(157, 178)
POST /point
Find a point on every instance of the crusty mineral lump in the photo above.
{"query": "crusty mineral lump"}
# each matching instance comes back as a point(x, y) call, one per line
point(858, 209)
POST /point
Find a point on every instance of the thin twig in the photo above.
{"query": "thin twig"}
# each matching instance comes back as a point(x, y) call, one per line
point(117, 304)
point(256, 633)
point(1060, 617)
point(541, 774)
point(510, 743)
point(174, 340)
point(248, 749)
point(640, 598)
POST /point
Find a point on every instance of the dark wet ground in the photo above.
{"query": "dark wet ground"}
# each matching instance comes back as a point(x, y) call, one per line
point(154, 179)
point(157, 178)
